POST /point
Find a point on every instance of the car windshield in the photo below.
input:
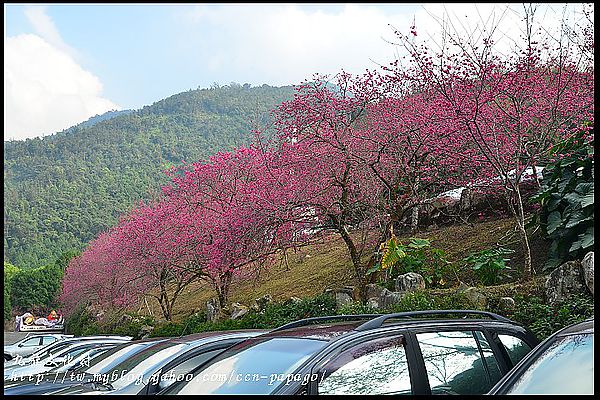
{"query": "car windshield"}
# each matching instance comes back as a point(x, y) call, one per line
point(105, 362)
point(84, 358)
point(50, 349)
point(256, 366)
point(142, 365)
point(565, 367)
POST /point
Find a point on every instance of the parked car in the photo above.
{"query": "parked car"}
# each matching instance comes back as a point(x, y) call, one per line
point(102, 365)
point(30, 344)
point(403, 353)
point(562, 364)
point(60, 344)
point(157, 366)
point(59, 353)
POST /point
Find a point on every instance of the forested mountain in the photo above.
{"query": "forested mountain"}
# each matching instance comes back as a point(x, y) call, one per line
point(99, 118)
point(60, 191)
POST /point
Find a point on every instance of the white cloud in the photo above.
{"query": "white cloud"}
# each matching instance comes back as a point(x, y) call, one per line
point(44, 27)
point(45, 90)
point(283, 44)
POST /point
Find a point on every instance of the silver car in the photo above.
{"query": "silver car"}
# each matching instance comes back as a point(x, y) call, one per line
point(54, 359)
point(30, 344)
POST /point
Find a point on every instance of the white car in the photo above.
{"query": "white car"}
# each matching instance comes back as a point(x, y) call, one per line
point(30, 344)
point(54, 359)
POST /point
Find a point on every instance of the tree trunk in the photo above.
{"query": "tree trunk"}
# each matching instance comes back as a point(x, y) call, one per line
point(414, 219)
point(223, 289)
point(359, 269)
point(520, 218)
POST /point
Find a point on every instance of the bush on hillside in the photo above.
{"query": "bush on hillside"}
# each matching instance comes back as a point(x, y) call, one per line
point(567, 199)
point(37, 289)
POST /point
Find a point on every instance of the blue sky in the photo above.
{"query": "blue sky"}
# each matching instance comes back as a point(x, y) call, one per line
point(66, 63)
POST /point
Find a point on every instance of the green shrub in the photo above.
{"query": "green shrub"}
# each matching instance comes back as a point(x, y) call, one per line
point(131, 326)
point(567, 199)
point(168, 329)
point(421, 300)
point(274, 315)
point(81, 323)
point(416, 256)
point(9, 273)
point(36, 289)
point(489, 265)
point(357, 307)
point(543, 319)
point(7, 306)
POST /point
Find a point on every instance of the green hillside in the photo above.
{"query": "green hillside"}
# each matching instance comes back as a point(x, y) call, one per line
point(62, 190)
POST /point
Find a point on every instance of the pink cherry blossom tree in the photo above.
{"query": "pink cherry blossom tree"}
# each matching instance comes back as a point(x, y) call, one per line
point(509, 109)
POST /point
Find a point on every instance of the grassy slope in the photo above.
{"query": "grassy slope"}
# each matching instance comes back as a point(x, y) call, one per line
point(318, 267)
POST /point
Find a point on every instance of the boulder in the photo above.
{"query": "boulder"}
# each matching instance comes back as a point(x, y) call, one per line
point(565, 281)
point(145, 331)
point(125, 318)
point(374, 291)
point(374, 302)
point(506, 304)
point(409, 282)
point(587, 265)
point(261, 302)
point(476, 298)
point(238, 311)
point(388, 298)
point(213, 310)
point(342, 299)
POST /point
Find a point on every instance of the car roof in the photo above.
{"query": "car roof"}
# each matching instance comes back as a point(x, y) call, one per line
point(216, 334)
point(328, 331)
point(586, 326)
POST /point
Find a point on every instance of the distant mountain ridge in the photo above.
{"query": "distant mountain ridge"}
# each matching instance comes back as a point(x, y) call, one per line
point(100, 117)
point(64, 189)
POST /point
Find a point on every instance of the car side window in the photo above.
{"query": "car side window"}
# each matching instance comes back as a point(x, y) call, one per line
point(34, 341)
point(515, 347)
point(489, 358)
point(48, 339)
point(454, 363)
point(375, 367)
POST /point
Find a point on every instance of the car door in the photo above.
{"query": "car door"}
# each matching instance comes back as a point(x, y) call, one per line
point(458, 361)
point(370, 365)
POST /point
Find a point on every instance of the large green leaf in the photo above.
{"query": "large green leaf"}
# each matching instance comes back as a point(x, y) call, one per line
point(554, 221)
point(585, 240)
point(392, 254)
point(417, 243)
point(577, 218)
